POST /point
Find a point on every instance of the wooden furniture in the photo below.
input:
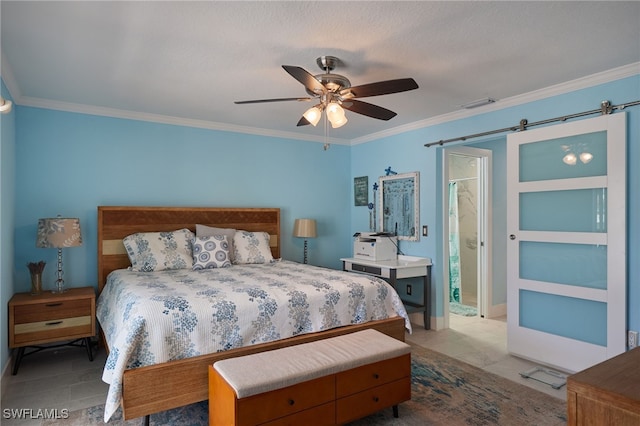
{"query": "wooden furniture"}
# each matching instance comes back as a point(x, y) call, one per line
point(51, 317)
point(332, 381)
point(607, 393)
point(394, 270)
point(161, 387)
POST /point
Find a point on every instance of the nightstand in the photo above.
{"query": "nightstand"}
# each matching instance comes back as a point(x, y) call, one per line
point(51, 317)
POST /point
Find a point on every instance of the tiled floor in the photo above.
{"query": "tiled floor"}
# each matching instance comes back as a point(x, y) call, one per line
point(65, 379)
point(483, 343)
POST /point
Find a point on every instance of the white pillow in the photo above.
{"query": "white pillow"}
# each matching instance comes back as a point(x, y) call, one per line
point(251, 247)
point(209, 231)
point(211, 252)
point(159, 251)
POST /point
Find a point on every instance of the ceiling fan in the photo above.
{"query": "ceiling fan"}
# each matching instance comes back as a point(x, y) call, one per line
point(334, 92)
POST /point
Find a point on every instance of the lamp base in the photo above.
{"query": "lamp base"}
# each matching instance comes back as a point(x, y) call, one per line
point(59, 288)
point(304, 260)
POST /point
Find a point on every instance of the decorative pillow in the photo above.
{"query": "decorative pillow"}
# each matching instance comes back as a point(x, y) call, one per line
point(159, 251)
point(209, 231)
point(211, 252)
point(251, 247)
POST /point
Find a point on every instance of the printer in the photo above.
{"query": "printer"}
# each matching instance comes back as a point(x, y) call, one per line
point(375, 246)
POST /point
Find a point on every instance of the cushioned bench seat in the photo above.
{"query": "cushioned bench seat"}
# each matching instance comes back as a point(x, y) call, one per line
point(330, 381)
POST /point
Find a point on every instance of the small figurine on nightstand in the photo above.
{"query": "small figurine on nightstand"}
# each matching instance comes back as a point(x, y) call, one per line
point(36, 268)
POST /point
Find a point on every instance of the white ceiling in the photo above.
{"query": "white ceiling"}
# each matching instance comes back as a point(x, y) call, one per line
point(189, 61)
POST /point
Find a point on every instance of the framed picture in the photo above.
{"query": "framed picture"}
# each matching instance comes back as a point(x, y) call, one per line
point(399, 205)
point(361, 190)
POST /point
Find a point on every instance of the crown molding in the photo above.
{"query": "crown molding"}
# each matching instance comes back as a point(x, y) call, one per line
point(558, 89)
point(176, 121)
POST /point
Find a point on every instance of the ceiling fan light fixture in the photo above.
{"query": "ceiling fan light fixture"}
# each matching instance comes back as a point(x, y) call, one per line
point(339, 122)
point(336, 115)
point(335, 90)
point(313, 115)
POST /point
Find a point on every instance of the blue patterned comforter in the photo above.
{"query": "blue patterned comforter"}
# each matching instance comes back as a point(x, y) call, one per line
point(154, 317)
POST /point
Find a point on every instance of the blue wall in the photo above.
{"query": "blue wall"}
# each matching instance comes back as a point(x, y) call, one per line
point(68, 163)
point(7, 188)
point(406, 153)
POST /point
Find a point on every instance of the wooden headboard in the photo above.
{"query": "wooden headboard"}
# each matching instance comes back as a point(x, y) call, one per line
point(116, 222)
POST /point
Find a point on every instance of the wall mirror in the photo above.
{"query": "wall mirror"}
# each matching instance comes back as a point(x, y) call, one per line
point(398, 205)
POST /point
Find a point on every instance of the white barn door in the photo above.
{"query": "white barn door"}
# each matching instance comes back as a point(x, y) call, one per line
point(566, 219)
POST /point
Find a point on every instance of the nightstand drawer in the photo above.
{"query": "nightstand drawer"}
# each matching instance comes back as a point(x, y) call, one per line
point(62, 328)
point(52, 310)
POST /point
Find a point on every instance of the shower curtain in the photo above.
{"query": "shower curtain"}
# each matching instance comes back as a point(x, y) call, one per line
point(454, 245)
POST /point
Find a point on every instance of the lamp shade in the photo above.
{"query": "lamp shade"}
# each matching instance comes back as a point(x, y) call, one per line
point(313, 115)
point(304, 228)
point(58, 232)
point(336, 115)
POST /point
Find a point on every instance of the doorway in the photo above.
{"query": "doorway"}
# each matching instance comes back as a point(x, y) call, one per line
point(466, 201)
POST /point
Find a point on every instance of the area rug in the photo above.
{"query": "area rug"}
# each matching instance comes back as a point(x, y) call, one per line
point(464, 310)
point(444, 391)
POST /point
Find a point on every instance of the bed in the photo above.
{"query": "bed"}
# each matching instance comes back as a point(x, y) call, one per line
point(148, 389)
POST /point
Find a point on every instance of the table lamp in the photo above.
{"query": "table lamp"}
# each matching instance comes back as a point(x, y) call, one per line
point(59, 232)
point(305, 228)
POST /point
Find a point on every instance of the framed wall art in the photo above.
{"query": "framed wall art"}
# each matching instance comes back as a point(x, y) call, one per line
point(399, 206)
point(361, 190)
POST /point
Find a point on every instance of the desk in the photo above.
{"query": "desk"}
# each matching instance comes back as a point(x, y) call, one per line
point(607, 393)
point(394, 270)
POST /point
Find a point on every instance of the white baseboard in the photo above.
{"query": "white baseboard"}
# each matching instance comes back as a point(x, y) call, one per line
point(417, 319)
point(496, 311)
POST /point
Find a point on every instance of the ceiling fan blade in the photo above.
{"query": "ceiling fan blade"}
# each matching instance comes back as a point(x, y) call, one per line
point(370, 110)
point(308, 80)
point(380, 88)
point(303, 122)
point(260, 101)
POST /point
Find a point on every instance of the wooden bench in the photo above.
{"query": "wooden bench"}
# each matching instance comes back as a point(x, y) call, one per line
point(326, 382)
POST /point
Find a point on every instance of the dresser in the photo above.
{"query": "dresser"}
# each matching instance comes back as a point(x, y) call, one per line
point(36, 320)
point(607, 393)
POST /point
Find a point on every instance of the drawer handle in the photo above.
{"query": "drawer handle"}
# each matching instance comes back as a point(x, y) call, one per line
point(376, 399)
point(48, 305)
point(291, 402)
point(376, 376)
point(53, 323)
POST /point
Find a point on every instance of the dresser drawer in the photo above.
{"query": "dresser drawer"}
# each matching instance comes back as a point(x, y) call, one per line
point(372, 400)
point(322, 415)
point(370, 375)
point(52, 310)
point(283, 402)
